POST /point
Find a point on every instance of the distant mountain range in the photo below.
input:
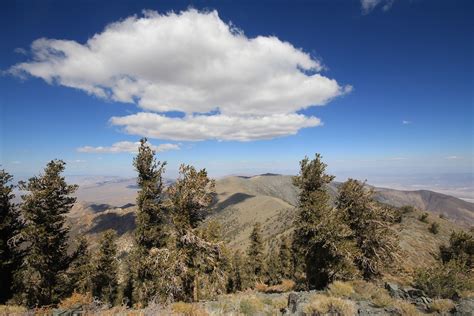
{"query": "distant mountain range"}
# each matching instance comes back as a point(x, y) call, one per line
point(270, 199)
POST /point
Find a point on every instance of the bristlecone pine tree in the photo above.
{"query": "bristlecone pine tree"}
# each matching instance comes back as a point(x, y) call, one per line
point(80, 269)
point(320, 233)
point(151, 223)
point(104, 275)
point(41, 277)
point(10, 226)
point(370, 223)
point(256, 256)
point(189, 200)
point(273, 267)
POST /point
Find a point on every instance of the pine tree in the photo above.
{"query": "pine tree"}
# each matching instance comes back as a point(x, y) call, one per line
point(320, 234)
point(105, 268)
point(151, 218)
point(370, 223)
point(151, 223)
point(238, 276)
point(285, 258)
point(80, 269)
point(273, 267)
point(10, 226)
point(41, 278)
point(255, 253)
point(189, 200)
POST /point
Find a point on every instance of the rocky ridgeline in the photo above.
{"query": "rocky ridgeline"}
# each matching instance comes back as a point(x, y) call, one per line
point(463, 307)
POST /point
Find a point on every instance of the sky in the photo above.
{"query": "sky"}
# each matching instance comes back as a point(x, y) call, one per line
point(382, 89)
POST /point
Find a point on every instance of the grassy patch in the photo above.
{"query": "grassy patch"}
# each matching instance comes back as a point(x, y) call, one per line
point(322, 304)
point(406, 309)
point(12, 310)
point(188, 309)
point(251, 306)
point(441, 306)
point(341, 289)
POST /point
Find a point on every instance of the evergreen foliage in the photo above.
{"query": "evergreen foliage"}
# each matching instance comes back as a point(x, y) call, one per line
point(273, 267)
point(10, 226)
point(105, 268)
point(460, 248)
point(80, 269)
point(238, 279)
point(41, 277)
point(255, 254)
point(370, 223)
point(285, 258)
point(321, 236)
point(152, 222)
point(203, 258)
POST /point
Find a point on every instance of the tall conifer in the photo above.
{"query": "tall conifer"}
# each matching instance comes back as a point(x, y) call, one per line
point(41, 277)
point(10, 225)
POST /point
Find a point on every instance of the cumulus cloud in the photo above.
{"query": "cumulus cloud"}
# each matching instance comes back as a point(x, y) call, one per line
point(194, 63)
point(369, 5)
point(405, 122)
point(220, 127)
point(125, 147)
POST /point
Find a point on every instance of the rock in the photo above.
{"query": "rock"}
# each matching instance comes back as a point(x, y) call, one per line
point(393, 289)
point(465, 307)
point(292, 302)
point(414, 293)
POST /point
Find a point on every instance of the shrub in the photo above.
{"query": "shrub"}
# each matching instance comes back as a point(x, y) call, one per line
point(407, 209)
point(188, 309)
point(76, 299)
point(406, 309)
point(434, 228)
point(445, 280)
point(321, 304)
point(442, 216)
point(364, 290)
point(251, 306)
point(280, 303)
point(382, 299)
point(441, 306)
point(284, 286)
point(340, 289)
point(423, 217)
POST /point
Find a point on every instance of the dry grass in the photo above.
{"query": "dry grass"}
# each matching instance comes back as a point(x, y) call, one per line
point(12, 310)
point(188, 309)
point(441, 306)
point(76, 299)
point(341, 289)
point(280, 303)
point(406, 309)
point(382, 299)
point(251, 306)
point(364, 290)
point(322, 304)
point(284, 286)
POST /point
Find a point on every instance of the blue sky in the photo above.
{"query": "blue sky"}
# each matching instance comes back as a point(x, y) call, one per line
point(396, 82)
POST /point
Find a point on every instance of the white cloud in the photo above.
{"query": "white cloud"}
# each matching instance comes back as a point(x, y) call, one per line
point(453, 157)
point(369, 5)
point(404, 122)
point(77, 161)
point(220, 127)
point(125, 147)
point(191, 62)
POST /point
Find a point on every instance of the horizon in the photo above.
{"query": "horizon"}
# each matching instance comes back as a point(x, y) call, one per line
point(382, 91)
